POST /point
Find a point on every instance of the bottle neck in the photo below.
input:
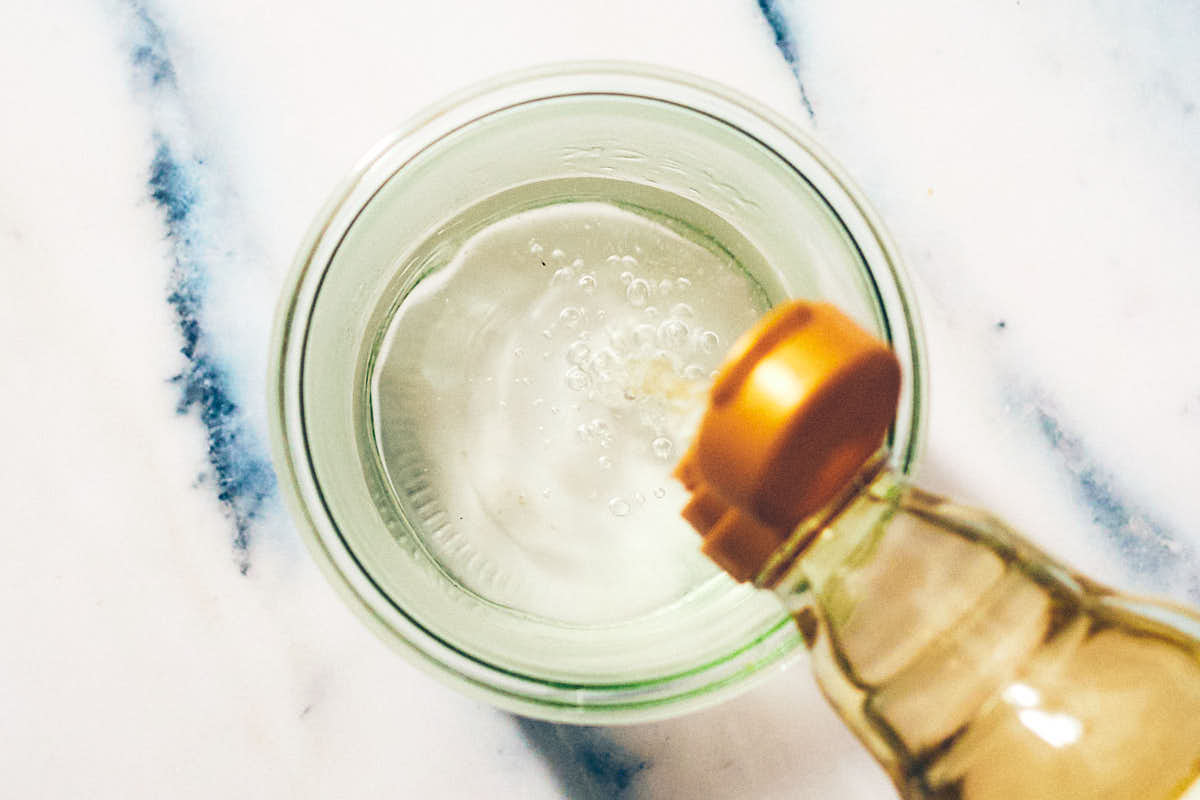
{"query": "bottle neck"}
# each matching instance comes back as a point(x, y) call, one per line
point(780, 573)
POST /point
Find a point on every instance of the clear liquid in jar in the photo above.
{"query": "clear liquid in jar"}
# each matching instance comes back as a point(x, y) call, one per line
point(533, 391)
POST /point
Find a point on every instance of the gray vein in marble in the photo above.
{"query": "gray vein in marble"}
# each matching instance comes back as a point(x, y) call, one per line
point(240, 469)
point(587, 764)
point(781, 27)
point(1145, 544)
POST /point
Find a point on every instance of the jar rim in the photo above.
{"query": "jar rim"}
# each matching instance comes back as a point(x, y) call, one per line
point(669, 696)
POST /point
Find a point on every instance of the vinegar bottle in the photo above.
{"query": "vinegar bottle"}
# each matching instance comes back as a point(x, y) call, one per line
point(970, 663)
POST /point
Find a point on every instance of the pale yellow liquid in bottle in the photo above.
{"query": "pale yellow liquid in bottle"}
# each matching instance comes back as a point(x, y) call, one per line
point(975, 667)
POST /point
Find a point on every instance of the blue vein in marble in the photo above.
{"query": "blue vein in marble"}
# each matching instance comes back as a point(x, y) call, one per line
point(586, 762)
point(786, 44)
point(240, 468)
point(1145, 544)
point(150, 52)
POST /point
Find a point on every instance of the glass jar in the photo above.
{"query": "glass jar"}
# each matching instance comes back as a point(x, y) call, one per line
point(678, 147)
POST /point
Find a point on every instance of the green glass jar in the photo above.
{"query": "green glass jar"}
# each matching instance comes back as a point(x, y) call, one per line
point(706, 169)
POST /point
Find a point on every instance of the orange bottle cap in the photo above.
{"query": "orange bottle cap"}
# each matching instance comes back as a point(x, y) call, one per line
point(804, 400)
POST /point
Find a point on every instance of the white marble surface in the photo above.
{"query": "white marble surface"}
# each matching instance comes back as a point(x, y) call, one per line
point(164, 632)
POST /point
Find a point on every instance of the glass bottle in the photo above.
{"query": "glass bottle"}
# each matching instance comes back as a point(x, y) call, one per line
point(969, 662)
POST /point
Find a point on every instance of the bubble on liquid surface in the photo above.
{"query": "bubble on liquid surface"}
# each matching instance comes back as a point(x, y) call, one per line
point(618, 506)
point(577, 379)
point(604, 359)
point(683, 311)
point(660, 493)
point(536, 249)
point(693, 372)
point(662, 447)
point(561, 276)
point(603, 431)
point(673, 333)
point(709, 341)
point(578, 353)
point(587, 283)
point(596, 431)
point(605, 462)
point(626, 277)
point(638, 292)
point(571, 316)
point(682, 284)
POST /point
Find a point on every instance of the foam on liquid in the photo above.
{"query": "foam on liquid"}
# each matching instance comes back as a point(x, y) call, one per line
point(532, 395)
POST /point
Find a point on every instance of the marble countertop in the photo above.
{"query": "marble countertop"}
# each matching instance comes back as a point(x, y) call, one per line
point(165, 633)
